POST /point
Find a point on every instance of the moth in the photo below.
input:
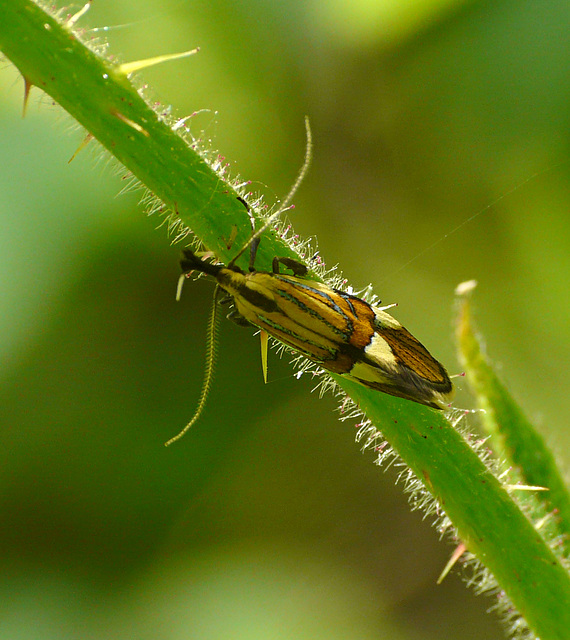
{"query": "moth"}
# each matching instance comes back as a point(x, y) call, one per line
point(340, 332)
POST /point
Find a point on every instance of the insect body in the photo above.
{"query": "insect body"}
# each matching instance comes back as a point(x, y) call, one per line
point(341, 332)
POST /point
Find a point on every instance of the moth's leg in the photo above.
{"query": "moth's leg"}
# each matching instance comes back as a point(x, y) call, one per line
point(298, 268)
point(254, 243)
point(236, 317)
point(248, 208)
point(253, 252)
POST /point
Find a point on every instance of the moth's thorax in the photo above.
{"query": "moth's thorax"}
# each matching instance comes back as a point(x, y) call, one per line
point(230, 280)
point(252, 292)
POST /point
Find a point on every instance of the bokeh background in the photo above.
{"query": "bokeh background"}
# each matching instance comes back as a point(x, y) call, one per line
point(441, 133)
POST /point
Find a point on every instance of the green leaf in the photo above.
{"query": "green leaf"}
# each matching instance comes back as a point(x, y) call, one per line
point(514, 437)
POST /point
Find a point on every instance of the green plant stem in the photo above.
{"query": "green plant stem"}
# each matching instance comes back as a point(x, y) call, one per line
point(104, 102)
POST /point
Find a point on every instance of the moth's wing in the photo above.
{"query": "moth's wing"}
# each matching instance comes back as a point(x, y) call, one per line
point(398, 364)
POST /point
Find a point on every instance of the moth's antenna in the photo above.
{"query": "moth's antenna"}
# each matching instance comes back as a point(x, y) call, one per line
point(286, 203)
point(209, 369)
point(302, 172)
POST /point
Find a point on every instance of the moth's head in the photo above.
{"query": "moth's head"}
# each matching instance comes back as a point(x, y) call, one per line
point(191, 262)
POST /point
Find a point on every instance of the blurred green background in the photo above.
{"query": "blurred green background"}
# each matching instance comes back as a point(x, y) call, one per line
point(266, 521)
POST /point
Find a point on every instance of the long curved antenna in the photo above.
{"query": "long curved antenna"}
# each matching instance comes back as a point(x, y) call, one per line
point(286, 203)
point(209, 368)
point(302, 172)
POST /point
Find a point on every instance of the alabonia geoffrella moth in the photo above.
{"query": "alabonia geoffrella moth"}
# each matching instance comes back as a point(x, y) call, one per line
point(339, 331)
